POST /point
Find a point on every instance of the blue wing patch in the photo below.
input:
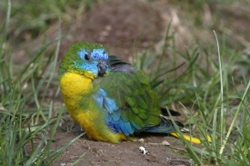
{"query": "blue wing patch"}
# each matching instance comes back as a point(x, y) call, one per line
point(113, 117)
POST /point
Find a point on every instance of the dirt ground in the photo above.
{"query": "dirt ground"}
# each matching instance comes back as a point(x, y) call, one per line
point(124, 153)
point(120, 27)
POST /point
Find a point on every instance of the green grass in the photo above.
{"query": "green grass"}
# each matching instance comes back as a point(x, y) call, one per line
point(29, 117)
point(215, 97)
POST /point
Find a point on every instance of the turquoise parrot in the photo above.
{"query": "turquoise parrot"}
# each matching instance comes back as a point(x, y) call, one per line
point(110, 99)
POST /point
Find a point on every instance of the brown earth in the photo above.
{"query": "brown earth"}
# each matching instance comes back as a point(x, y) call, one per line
point(120, 27)
point(124, 153)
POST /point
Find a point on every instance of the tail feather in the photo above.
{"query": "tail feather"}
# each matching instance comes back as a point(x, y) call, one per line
point(166, 126)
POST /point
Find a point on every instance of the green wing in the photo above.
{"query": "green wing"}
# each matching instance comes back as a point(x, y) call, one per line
point(126, 98)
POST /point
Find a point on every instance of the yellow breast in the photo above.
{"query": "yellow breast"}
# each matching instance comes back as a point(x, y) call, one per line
point(73, 84)
point(73, 87)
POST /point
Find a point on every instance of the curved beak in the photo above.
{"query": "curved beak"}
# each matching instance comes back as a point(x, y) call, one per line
point(102, 67)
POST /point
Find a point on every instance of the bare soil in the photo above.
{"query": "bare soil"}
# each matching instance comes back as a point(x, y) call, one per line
point(124, 153)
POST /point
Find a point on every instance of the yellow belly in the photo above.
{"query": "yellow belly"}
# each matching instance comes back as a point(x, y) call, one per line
point(95, 127)
point(74, 87)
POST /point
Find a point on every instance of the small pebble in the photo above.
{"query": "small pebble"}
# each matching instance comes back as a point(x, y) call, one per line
point(166, 143)
point(141, 140)
point(143, 150)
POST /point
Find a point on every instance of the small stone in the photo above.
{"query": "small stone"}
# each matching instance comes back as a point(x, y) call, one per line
point(141, 140)
point(166, 143)
point(143, 150)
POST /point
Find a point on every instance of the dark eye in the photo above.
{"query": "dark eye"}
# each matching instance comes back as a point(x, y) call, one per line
point(86, 56)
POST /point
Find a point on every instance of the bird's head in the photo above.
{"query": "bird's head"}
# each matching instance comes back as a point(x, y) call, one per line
point(88, 59)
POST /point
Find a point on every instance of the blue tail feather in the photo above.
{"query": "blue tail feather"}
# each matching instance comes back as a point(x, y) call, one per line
point(166, 126)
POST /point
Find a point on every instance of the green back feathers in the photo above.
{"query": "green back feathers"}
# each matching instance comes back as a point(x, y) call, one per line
point(132, 93)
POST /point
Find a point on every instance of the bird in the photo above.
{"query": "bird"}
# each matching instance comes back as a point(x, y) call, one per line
point(110, 99)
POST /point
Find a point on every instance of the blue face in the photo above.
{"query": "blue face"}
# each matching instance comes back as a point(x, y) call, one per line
point(94, 61)
point(95, 54)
